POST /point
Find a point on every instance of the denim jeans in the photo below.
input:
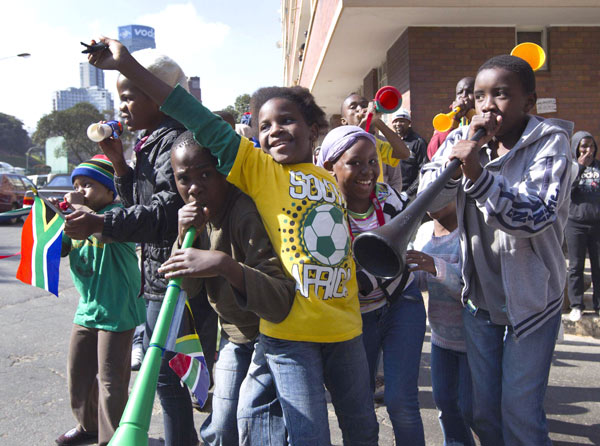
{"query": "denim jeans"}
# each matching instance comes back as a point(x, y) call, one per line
point(510, 377)
point(259, 415)
point(398, 329)
point(220, 428)
point(174, 398)
point(301, 369)
point(452, 394)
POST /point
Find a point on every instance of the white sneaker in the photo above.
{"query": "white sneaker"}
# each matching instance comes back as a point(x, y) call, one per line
point(575, 315)
point(137, 356)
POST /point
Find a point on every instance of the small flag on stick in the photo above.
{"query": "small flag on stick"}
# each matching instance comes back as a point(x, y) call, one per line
point(189, 363)
point(41, 244)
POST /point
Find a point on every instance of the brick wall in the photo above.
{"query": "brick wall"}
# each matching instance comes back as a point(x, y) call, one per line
point(399, 68)
point(439, 58)
point(426, 62)
point(574, 76)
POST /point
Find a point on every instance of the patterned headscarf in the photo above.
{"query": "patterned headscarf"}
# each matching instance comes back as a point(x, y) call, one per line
point(339, 140)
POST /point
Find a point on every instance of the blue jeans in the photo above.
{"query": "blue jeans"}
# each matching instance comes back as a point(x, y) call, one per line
point(398, 329)
point(174, 398)
point(452, 394)
point(510, 377)
point(259, 415)
point(301, 369)
point(220, 428)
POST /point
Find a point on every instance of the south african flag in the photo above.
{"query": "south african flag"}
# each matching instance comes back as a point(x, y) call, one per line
point(41, 243)
point(189, 363)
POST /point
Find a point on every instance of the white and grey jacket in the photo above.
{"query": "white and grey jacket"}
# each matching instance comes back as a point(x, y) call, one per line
point(525, 195)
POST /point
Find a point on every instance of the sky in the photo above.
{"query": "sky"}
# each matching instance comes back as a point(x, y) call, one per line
point(232, 45)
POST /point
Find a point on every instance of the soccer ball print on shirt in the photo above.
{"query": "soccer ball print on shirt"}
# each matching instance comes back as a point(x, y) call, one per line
point(326, 235)
point(315, 237)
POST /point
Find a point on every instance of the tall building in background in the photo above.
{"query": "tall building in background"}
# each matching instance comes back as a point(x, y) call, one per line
point(98, 97)
point(194, 87)
point(137, 37)
point(91, 90)
point(90, 76)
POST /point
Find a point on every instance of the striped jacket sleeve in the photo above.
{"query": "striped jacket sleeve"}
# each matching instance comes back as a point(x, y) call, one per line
point(530, 206)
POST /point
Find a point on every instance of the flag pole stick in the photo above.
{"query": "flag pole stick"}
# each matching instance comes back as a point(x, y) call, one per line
point(135, 422)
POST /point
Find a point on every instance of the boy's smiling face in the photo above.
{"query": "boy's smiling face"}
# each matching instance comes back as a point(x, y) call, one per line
point(283, 132)
point(501, 93)
point(137, 110)
point(197, 178)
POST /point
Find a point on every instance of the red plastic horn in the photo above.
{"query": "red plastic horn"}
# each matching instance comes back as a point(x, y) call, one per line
point(387, 100)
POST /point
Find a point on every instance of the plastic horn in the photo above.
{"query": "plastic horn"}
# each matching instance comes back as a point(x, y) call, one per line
point(382, 252)
point(135, 422)
point(387, 100)
point(442, 122)
point(100, 131)
point(531, 53)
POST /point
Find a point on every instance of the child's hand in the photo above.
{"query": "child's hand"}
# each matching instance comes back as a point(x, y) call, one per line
point(80, 224)
point(468, 153)
point(491, 122)
point(111, 58)
point(192, 214)
point(192, 262)
point(421, 262)
point(465, 105)
point(376, 120)
point(113, 149)
point(54, 201)
point(75, 198)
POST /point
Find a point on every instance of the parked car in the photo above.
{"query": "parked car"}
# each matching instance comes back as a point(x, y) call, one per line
point(9, 168)
point(57, 187)
point(13, 188)
point(40, 180)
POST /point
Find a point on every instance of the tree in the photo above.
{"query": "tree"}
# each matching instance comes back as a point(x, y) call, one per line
point(71, 124)
point(233, 111)
point(13, 137)
point(241, 106)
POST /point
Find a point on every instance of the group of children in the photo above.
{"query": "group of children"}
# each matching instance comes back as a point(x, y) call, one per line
point(273, 253)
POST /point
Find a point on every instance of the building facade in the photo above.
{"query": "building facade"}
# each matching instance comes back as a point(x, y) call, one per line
point(194, 87)
point(423, 47)
point(98, 97)
point(90, 76)
point(137, 37)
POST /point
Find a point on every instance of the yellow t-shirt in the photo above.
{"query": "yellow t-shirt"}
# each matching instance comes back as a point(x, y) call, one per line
point(384, 155)
point(304, 214)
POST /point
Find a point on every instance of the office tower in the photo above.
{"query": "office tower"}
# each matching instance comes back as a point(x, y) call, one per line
point(90, 76)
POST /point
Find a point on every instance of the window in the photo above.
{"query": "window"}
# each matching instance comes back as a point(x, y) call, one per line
point(382, 78)
point(60, 181)
point(535, 35)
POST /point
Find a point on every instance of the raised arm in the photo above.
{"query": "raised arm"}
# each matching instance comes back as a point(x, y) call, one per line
point(117, 57)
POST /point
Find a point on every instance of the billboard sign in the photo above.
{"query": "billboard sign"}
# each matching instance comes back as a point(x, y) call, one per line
point(136, 37)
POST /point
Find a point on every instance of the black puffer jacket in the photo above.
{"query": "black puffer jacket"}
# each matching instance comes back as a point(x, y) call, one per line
point(151, 202)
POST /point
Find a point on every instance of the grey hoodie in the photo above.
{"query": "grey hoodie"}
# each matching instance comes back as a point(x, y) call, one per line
point(524, 195)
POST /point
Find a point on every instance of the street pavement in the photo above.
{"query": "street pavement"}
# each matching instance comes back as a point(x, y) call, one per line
point(34, 334)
